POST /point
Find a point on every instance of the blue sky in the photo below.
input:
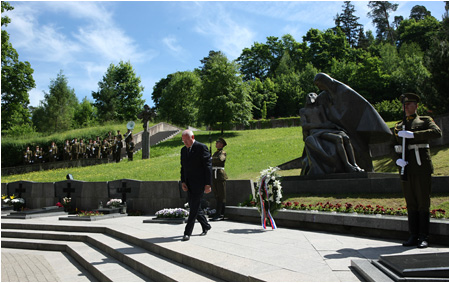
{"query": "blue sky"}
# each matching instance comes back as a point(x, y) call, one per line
point(158, 37)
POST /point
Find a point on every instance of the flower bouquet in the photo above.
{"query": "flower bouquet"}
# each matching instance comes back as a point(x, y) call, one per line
point(172, 213)
point(115, 202)
point(6, 200)
point(268, 195)
point(18, 203)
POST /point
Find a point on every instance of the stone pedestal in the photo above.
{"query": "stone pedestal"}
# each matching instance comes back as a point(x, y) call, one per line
point(145, 145)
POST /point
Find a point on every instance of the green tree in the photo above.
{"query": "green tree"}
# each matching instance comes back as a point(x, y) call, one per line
point(17, 80)
point(158, 89)
point(178, 102)
point(437, 61)
point(324, 46)
point(85, 114)
point(379, 13)
point(59, 106)
point(420, 32)
point(262, 95)
point(419, 12)
point(224, 97)
point(119, 95)
point(348, 23)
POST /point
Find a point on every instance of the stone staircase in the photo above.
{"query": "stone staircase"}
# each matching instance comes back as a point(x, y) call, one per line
point(109, 255)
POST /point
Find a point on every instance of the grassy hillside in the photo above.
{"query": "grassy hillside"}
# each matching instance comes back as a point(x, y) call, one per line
point(248, 152)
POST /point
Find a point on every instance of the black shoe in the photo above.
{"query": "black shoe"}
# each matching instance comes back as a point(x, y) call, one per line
point(186, 238)
point(422, 243)
point(205, 231)
point(412, 241)
point(215, 217)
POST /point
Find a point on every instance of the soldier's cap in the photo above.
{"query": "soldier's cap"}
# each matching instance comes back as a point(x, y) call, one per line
point(409, 97)
point(222, 141)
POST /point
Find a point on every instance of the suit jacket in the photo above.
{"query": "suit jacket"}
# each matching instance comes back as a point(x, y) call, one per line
point(196, 169)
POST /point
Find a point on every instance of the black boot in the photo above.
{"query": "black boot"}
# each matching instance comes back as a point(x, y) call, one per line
point(413, 224)
point(424, 226)
point(222, 211)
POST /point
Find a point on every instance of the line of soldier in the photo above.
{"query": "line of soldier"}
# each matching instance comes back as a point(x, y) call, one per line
point(73, 150)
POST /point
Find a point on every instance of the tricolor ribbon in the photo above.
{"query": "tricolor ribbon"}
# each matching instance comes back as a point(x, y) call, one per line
point(265, 213)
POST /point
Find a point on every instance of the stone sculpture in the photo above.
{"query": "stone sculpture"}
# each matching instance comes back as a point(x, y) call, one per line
point(338, 126)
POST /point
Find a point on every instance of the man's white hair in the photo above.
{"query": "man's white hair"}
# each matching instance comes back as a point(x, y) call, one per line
point(188, 132)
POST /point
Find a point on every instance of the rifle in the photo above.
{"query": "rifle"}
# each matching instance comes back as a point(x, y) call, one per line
point(210, 143)
point(403, 171)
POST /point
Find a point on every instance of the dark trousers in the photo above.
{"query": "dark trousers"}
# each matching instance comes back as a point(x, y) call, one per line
point(195, 213)
point(417, 192)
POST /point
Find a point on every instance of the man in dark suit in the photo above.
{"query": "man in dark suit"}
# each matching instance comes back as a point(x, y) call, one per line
point(196, 174)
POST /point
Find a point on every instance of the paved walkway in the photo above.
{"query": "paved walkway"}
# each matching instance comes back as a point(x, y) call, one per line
point(293, 255)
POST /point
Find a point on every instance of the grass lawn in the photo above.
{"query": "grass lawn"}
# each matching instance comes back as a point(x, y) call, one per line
point(248, 152)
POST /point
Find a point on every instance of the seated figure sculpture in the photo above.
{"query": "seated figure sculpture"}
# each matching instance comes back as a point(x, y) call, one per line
point(346, 114)
point(327, 146)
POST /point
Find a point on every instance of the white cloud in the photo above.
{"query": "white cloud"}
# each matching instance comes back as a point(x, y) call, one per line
point(226, 34)
point(171, 42)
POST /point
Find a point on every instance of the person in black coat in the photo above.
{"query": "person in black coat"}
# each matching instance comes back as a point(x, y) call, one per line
point(196, 177)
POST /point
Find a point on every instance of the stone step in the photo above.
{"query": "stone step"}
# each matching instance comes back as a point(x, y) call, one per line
point(204, 260)
point(98, 263)
point(136, 258)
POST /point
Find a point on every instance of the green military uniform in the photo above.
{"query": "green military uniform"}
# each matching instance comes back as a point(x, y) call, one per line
point(96, 150)
point(129, 145)
point(119, 145)
point(27, 156)
point(38, 155)
point(219, 178)
point(75, 150)
point(105, 149)
point(83, 148)
point(416, 185)
point(67, 151)
point(53, 153)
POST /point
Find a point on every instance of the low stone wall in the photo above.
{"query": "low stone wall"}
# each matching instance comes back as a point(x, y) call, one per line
point(383, 226)
point(146, 196)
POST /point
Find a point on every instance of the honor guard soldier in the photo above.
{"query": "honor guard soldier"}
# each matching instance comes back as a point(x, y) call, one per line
point(83, 149)
point(67, 151)
point(96, 152)
point(105, 148)
point(130, 147)
point(119, 145)
point(38, 155)
point(75, 149)
point(28, 156)
point(219, 178)
point(413, 134)
point(53, 153)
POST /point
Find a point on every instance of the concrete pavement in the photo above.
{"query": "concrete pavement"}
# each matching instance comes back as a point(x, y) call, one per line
point(246, 250)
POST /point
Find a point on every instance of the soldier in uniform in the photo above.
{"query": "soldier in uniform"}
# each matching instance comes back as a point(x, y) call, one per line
point(52, 153)
point(90, 149)
point(129, 145)
point(417, 166)
point(27, 156)
point(75, 149)
point(119, 145)
point(105, 148)
point(83, 149)
point(38, 155)
point(96, 150)
point(219, 178)
point(67, 151)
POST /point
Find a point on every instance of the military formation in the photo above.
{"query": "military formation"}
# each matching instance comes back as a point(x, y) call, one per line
point(110, 146)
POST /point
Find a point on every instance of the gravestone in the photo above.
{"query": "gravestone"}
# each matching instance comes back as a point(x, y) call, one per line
point(70, 189)
point(127, 190)
point(145, 115)
point(422, 267)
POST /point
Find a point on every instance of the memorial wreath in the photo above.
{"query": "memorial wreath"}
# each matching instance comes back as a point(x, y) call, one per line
point(268, 195)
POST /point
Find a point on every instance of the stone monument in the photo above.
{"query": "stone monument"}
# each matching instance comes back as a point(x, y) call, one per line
point(145, 115)
point(338, 126)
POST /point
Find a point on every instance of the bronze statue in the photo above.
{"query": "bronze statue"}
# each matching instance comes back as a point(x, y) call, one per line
point(338, 126)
